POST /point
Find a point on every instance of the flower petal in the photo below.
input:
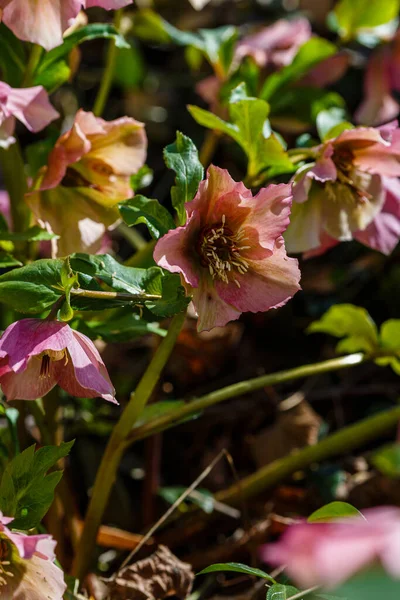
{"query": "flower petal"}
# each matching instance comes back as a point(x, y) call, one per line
point(305, 225)
point(212, 310)
point(29, 384)
point(32, 107)
point(36, 579)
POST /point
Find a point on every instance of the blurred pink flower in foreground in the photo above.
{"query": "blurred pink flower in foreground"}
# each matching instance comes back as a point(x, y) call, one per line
point(327, 554)
point(382, 78)
point(31, 106)
point(88, 173)
point(36, 354)
point(27, 569)
point(43, 22)
point(348, 193)
point(231, 254)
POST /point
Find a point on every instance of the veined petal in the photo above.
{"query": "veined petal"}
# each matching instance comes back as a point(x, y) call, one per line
point(29, 384)
point(213, 311)
point(32, 107)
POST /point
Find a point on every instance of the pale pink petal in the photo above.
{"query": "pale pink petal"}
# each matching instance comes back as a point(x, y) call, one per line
point(34, 579)
point(306, 224)
point(40, 21)
point(26, 544)
point(84, 375)
point(324, 169)
point(213, 311)
point(31, 106)
point(29, 384)
point(269, 283)
point(5, 520)
point(174, 251)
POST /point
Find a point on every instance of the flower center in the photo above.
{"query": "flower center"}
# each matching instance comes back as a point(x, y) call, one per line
point(5, 553)
point(220, 250)
point(348, 189)
point(47, 357)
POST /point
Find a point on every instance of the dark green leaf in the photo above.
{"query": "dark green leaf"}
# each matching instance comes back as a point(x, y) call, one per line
point(7, 260)
point(236, 568)
point(281, 592)
point(140, 209)
point(332, 511)
point(371, 584)
point(26, 490)
point(173, 298)
point(142, 178)
point(12, 57)
point(387, 460)
point(183, 158)
point(33, 288)
point(121, 328)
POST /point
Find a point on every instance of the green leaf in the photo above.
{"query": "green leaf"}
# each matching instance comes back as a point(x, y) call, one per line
point(33, 234)
point(7, 260)
point(26, 490)
point(310, 54)
point(183, 158)
point(351, 322)
point(53, 69)
point(140, 209)
point(281, 592)
point(332, 511)
point(32, 288)
point(173, 298)
point(211, 121)
point(390, 341)
point(331, 122)
point(142, 178)
point(236, 568)
point(353, 15)
point(387, 460)
point(122, 328)
point(370, 584)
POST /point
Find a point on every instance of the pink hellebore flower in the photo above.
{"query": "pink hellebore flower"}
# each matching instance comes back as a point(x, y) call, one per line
point(31, 106)
point(327, 554)
point(382, 78)
point(88, 173)
point(27, 569)
point(348, 193)
point(43, 22)
point(231, 254)
point(35, 355)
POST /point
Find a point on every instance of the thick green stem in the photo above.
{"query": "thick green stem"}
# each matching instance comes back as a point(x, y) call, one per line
point(338, 443)
point(33, 61)
point(102, 295)
point(109, 463)
point(13, 169)
point(240, 388)
point(108, 75)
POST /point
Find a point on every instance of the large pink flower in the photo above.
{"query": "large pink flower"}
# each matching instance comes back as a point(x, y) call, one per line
point(88, 173)
point(43, 22)
point(35, 355)
point(349, 192)
point(31, 106)
point(231, 254)
point(382, 81)
point(27, 569)
point(326, 554)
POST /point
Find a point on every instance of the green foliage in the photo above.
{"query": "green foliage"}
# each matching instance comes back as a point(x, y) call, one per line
point(216, 45)
point(309, 55)
point(140, 209)
point(331, 122)
point(236, 568)
point(281, 592)
point(390, 340)
point(351, 16)
point(53, 70)
point(121, 327)
point(33, 234)
point(26, 489)
point(371, 584)
point(173, 299)
point(32, 288)
point(12, 57)
point(332, 511)
point(387, 460)
point(249, 127)
point(353, 323)
point(183, 158)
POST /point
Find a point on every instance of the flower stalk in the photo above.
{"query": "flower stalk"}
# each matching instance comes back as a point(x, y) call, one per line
point(107, 79)
point(106, 473)
point(13, 168)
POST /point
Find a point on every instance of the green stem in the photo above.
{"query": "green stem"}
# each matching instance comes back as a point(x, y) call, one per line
point(238, 389)
point(33, 61)
point(338, 443)
point(100, 295)
point(109, 463)
point(13, 169)
point(108, 75)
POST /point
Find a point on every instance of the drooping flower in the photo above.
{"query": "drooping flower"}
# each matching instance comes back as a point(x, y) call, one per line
point(348, 192)
point(36, 354)
point(27, 569)
point(326, 554)
point(231, 254)
point(43, 22)
point(31, 106)
point(88, 173)
point(382, 81)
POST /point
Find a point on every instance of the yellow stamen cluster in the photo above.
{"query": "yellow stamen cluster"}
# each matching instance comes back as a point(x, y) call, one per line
point(220, 252)
point(4, 553)
point(348, 180)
